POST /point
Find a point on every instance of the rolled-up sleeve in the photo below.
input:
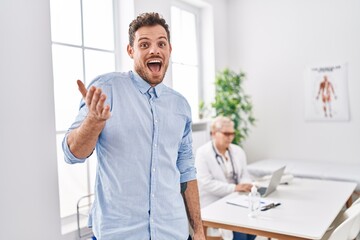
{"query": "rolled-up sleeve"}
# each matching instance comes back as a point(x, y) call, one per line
point(68, 156)
point(186, 161)
point(100, 82)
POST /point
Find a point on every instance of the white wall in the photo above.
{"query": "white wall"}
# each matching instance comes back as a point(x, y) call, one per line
point(273, 41)
point(28, 176)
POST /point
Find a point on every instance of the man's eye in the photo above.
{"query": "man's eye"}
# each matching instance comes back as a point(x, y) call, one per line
point(144, 45)
point(162, 44)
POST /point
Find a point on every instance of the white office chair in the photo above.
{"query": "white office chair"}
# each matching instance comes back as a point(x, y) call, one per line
point(348, 227)
point(356, 227)
point(357, 201)
point(354, 210)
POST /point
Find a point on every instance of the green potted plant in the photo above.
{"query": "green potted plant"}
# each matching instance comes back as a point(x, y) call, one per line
point(231, 101)
point(204, 110)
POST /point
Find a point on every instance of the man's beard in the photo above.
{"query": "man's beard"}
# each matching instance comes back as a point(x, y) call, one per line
point(145, 75)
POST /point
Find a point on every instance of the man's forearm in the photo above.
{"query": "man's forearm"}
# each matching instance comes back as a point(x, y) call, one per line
point(191, 198)
point(82, 140)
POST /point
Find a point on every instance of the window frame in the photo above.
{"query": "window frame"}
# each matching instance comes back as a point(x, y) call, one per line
point(68, 222)
point(197, 11)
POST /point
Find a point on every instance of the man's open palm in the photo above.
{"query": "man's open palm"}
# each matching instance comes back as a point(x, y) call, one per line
point(95, 101)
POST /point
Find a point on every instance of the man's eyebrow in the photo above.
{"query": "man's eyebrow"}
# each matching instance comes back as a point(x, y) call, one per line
point(163, 37)
point(146, 38)
point(143, 38)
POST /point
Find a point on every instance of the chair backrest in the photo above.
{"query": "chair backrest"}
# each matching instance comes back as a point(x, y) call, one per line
point(357, 201)
point(349, 228)
point(354, 210)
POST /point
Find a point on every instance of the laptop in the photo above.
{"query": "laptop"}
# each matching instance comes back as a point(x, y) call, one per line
point(273, 183)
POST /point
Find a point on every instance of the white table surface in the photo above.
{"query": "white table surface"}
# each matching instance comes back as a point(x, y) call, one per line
point(341, 171)
point(308, 207)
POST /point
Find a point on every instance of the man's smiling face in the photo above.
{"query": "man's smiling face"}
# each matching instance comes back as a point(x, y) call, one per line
point(151, 53)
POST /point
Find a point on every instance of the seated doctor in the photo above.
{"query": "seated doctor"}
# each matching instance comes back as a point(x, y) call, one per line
point(221, 170)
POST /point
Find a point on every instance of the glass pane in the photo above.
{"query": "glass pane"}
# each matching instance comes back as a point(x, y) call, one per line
point(66, 21)
point(97, 63)
point(98, 24)
point(67, 68)
point(185, 81)
point(184, 39)
point(176, 34)
point(189, 38)
point(72, 182)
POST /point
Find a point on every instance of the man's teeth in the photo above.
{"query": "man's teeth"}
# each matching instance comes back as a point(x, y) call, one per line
point(154, 61)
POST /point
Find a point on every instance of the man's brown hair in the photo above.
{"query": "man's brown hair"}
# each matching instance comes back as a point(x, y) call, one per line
point(147, 19)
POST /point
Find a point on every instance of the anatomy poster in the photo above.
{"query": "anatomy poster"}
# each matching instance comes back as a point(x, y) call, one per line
point(326, 93)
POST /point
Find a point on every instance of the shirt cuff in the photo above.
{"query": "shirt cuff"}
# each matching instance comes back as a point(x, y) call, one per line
point(188, 176)
point(233, 187)
point(68, 156)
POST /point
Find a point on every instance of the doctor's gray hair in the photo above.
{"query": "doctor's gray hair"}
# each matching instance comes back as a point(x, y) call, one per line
point(219, 122)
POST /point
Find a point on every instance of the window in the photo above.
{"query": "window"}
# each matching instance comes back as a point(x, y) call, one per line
point(82, 47)
point(185, 54)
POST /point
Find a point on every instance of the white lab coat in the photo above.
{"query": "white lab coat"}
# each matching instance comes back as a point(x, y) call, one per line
point(210, 175)
point(211, 179)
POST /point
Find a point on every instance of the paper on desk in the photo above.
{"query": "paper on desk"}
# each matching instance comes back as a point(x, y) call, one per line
point(242, 201)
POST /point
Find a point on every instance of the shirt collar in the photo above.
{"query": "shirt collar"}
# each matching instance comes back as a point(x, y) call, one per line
point(144, 86)
point(217, 151)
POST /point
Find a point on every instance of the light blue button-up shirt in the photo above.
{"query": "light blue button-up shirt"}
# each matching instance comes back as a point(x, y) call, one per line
point(144, 153)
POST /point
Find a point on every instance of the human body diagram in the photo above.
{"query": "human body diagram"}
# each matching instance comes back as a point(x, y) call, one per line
point(326, 90)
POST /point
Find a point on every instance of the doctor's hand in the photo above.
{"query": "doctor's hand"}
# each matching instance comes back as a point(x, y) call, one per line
point(243, 187)
point(95, 101)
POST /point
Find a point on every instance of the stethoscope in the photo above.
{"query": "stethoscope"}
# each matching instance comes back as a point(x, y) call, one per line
point(217, 156)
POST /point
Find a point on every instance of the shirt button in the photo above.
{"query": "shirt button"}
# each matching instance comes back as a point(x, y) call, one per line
point(155, 145)
point(153, 195)
point(152, 220)
point(153, 169)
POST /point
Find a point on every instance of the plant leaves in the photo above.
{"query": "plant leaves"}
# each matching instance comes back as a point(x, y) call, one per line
point(231, 101)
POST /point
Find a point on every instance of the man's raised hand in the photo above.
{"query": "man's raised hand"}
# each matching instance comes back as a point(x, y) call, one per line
point(95, 101)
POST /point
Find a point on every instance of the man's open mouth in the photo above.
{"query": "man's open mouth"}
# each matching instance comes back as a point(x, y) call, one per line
point(154, 65)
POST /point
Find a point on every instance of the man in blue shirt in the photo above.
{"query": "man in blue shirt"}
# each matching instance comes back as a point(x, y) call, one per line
point(146, 184)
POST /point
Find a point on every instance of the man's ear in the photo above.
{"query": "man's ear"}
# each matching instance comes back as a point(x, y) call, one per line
point(130, 51)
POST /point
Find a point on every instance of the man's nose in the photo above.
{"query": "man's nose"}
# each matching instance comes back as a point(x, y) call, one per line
point(154, 50)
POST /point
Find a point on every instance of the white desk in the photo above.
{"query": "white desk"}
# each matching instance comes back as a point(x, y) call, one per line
point(346, 172)
point(308, 207)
